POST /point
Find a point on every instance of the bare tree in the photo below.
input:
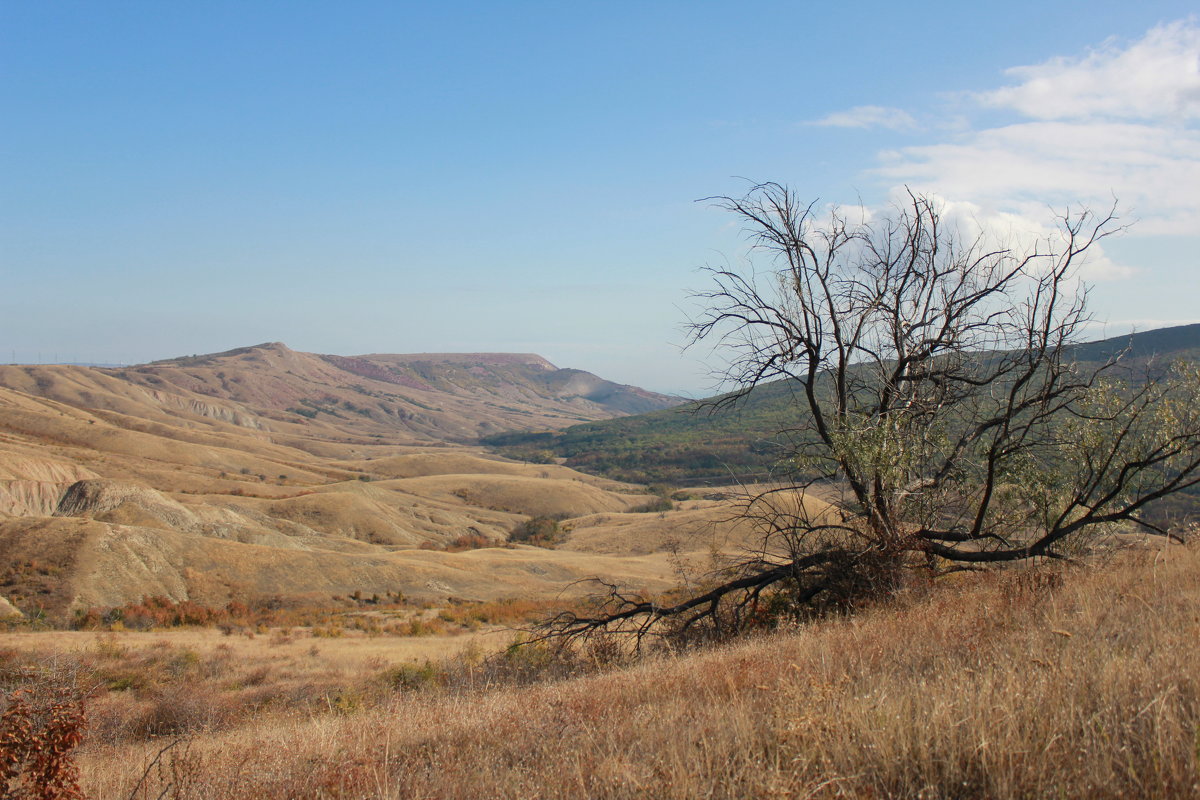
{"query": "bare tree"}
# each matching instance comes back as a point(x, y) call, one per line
point(937, 390)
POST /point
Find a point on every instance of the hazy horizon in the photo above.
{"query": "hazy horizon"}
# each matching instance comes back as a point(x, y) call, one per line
point(523, 178)
point(1100, 334)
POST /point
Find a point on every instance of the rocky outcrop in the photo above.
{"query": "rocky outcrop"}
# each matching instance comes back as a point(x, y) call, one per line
point(225, 413)
point(99, 498)
point(14, 467)
point(30, 498)
point(32, 486)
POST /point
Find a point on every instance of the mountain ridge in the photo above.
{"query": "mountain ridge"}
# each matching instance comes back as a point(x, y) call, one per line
point(416, 397)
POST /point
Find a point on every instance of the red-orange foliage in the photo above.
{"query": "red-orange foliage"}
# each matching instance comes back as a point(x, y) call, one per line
point(39, 730)
point(160, 612)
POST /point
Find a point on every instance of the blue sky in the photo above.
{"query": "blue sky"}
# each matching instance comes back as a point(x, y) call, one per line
point(517, 176)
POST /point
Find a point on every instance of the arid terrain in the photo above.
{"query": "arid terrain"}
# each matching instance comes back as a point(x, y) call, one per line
point(1042, 682)
point(263, 473)
point(219, 596)
point(884, 483)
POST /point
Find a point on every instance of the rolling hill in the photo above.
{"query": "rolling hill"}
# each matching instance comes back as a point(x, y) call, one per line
point(698, 444)
point(266, 472)
point(399, 398)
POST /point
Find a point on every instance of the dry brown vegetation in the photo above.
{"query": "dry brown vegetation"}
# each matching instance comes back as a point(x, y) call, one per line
point(109, 493)
point(321, 613)
point(183, 480)
point(1035, 682)
point(375, 615)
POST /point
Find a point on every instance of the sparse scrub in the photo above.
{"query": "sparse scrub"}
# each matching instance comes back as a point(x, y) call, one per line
point(389, 614)
point(161, 613)
point(513, 612)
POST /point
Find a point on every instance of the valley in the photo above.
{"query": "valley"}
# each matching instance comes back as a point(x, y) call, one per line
point(233, 576)
point(265, 473)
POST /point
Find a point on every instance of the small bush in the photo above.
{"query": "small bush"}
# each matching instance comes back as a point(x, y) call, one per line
point(345, 701)
point(655, 505)
point(469, 541)
point(410, 677)
point(183, 708)
point(539, 457)
point(543, 531)
point(41, 725)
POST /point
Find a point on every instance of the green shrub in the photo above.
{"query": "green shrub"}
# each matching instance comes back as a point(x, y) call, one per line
point(657, 504)
point(543, 531)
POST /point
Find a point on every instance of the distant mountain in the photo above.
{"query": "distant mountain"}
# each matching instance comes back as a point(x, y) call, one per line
point(694, 445)
point(418, 398)
point(1180, 341)
point(507, 376)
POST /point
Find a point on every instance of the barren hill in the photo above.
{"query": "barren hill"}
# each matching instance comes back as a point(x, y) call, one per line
point(264, 472)
point(305, 400)
point(428, 397)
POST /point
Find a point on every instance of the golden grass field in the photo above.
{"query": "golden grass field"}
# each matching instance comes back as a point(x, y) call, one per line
point(1038, 682)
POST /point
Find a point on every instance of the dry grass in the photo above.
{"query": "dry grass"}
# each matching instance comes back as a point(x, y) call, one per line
point(1026, 684)
point(197, 486)
point(143, 686)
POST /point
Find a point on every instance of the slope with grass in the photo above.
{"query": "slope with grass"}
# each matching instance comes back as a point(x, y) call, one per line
point(713, 443)
point(296, 398)
point(1039, 682)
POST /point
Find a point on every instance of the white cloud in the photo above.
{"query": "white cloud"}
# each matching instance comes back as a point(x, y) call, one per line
point(870, 117)
point(1152, 171)
point(1156, 77)
point(1117, 122)
point(1019, 231)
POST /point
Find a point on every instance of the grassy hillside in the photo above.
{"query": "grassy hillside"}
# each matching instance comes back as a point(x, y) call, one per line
point(427, 396)
point(1178, 342)
point(689, 445)
point(1028, 684)
point(695, 445)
